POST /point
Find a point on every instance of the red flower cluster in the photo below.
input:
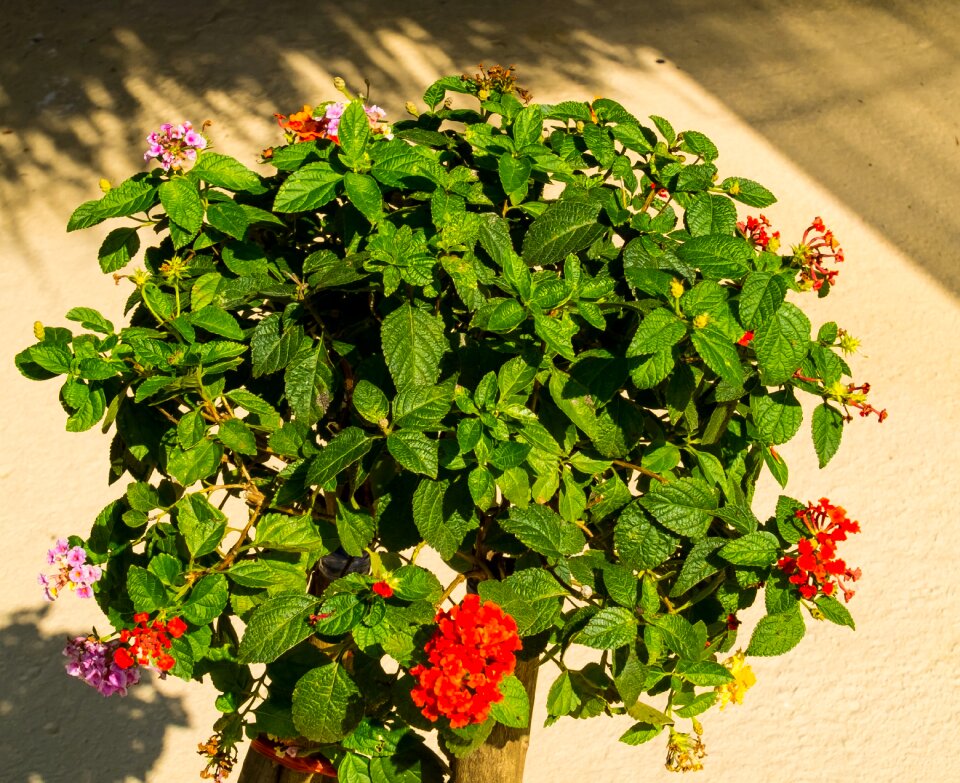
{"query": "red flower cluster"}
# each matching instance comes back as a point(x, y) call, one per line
point(816, 568)
point(754, 231)
point(817, 245)
point(856, 396)
point(745, 340)
point(470, 653)
point(382, 589)
point(148, 642)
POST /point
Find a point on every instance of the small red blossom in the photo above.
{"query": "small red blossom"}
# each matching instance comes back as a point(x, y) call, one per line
point(472, 650)
point(815, 568)
point(754, 230)
point(147, 643)
point(382, 589)
point(732, 622)
point(817, 246)
point(745, 340)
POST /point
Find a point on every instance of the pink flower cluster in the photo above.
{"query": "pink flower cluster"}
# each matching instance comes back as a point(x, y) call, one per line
point(92, 661)
point(72, 572)
point(310, 124)
point(172, 145)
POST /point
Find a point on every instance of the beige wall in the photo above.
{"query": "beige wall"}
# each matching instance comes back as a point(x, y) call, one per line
point(843, 109)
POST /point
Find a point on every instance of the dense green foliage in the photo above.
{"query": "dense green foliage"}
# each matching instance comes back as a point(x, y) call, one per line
point(511, 333)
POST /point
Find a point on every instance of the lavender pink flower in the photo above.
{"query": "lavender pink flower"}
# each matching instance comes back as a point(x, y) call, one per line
point(173, 145)
point(91, 660)
point(73, 572)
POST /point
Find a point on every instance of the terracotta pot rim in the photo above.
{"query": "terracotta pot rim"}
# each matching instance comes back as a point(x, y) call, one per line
point(317, 765)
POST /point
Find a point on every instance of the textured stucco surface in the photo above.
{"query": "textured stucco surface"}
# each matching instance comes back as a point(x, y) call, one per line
point(846, 109)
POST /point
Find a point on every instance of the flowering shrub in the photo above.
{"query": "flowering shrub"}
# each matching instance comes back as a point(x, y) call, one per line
point(536, 339)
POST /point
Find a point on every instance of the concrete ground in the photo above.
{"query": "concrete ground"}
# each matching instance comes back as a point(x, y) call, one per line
point(844, 109)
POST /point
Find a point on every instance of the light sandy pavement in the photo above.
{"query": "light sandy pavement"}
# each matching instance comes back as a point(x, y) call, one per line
point(844, 109)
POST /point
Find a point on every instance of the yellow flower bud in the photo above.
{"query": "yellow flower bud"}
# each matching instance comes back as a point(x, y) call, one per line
point(38, 330)
point(701, 320)
point(676, 288)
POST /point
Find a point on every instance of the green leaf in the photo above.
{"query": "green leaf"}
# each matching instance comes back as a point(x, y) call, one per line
point(269, 351)
point(639, 733)
point(217, 321)
point(308, 383)
point(225, 172)
point(228, 217)
point(781, 344)
point(90, 319)
point(699, 144)
point(274, 575)
point(514, 176)
point(191, 429)
point(754, 549)
point(413, 344)
point(276, 626)
point(717, 256)
point(136, 194)
point(145, 589)
point(527, 126)
point(415, 452)
point(201, 524)
point(370, 402)
point(422, 407)
point(835, 611)
point(288, 533)
point(565, 227)
point(684, 506)
point(356, 528)
point(658, 331)
point(640, 543)
point(704, 673)
point(354, 130)
point(442, 517)
point(562, 699)
point(190, 465)
point(238, 437)
point(827, 432)
point(748, 192)
point(118, 248)
point(680, 636)
point(777, 634)
point(665, 128)
point(699, 564)
point(364, 193)
point(760, 298)
point(327, 704)
point(207, 600)
point(514, 709)
point(343, 450)
point(778, 415)
point(181, 200)
point(719, 353)
point(609, 629)
point(544, 531)
point(53, 358)
point(710, 214)
point(308, 189)
point(86, 215)
point(506, 316)
point(414, 583)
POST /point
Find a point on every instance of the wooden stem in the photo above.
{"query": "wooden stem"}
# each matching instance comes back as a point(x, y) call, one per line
point(502, 757)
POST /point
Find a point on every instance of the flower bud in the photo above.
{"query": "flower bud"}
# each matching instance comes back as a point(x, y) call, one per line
point(38, 330)
point(105, 185)
point(676, 288)
point(411, 108)
point(701, 320)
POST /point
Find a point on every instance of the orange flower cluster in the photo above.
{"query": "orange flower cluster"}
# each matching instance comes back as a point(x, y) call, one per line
point(816, 567)
point(148, 643)
point(302, 126)
point(470, 653)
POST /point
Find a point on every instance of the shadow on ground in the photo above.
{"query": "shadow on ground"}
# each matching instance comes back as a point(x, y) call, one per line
point(863, 96)
point(43, 712)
